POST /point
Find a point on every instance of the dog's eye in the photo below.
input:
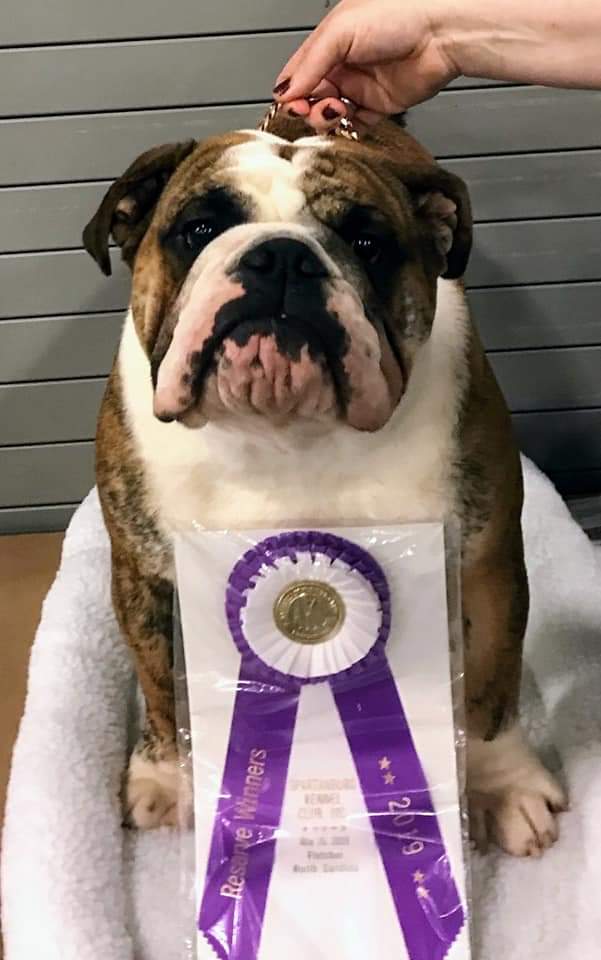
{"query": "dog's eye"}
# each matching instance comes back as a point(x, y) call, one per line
point(367, 247)
point(198, 233)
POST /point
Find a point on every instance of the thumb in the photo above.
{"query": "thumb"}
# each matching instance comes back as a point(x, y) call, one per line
point(326, 48)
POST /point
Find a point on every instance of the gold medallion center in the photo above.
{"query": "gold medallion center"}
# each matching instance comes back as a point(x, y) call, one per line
point(309, 611)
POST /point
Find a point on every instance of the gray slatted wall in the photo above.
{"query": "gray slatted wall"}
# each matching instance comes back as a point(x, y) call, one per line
point(85, 87)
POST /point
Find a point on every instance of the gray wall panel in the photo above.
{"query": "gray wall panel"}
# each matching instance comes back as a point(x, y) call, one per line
point(98, 146)
point(532, 185)
point(35, 519)
point(49, 412)
point(47, 218)
point(508, 120)
point(62, 21)
point(69, 282)
point(155, 73)
point(56, 348)
point(45, 475)
point(455, 124)
point(502, 188)
point(125, 76)
point(189, 71)
point(538, 251)
point(569, 440)
point(550, 379)
point(545, 316)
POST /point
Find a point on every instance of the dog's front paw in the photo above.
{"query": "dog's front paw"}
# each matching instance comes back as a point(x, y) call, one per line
point(514, 800)
point(155, 793)
point(523, 822)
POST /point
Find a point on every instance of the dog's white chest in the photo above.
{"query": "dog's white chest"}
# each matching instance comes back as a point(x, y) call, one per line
point(322, 487)
point(236, 478)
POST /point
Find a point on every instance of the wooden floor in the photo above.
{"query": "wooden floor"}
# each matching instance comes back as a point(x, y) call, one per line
point(28, 564)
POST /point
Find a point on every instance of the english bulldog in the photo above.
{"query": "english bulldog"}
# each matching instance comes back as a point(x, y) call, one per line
point(298, 352)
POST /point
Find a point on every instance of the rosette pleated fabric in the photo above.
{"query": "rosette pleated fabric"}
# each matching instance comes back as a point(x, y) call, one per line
point(310, 618)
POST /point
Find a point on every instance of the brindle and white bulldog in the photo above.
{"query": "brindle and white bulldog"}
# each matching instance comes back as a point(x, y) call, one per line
point(298, 351)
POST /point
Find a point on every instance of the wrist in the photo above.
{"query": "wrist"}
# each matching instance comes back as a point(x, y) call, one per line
point(509, 40)
point(486, 38)
point(504, 40)
point(443, 22)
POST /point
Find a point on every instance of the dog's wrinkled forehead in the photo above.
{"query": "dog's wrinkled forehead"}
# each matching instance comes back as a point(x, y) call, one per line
point(272, 173)
point(276, 179)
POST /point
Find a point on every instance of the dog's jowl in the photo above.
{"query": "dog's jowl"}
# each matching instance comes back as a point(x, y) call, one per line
point(298, 351)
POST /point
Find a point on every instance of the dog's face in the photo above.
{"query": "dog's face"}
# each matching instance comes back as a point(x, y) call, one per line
point(286, 277)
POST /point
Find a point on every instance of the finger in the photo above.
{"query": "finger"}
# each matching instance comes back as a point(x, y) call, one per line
point(368, 118)
point(305, 50)
point(326, 88)
point(326, 114)
point(297, 108)
point(360, 86)
point(291, 65)
point(303, 106)
point(313, 62)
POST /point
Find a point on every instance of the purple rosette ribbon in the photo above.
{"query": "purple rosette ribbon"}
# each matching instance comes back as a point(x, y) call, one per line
point(348, 598)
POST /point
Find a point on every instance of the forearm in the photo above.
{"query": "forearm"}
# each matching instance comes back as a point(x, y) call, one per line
point(551, 42)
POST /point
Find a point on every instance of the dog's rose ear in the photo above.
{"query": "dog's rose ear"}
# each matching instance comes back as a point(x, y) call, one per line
point(129, 204)
point(442, 202)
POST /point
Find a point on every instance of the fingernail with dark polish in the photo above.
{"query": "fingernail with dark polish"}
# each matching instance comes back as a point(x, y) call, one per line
point(330, 114)
point(282, 86)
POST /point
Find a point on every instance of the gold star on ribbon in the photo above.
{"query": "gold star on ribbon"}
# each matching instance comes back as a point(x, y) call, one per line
point(389, 779)
point(384, 763)
point(423, 893)
point(418, 876)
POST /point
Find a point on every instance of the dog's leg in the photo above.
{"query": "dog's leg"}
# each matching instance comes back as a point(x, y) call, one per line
point(144, 608)
point(513, 799)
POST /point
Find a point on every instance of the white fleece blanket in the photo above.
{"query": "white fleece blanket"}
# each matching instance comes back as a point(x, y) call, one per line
point(77, 887)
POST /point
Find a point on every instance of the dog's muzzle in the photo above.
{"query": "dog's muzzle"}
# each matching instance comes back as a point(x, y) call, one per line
point(274, 333)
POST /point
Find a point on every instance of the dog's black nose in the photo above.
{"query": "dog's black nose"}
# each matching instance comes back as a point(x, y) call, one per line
point(278, 261)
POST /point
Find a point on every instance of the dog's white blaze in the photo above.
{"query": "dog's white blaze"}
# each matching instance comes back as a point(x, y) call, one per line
point(273, 183)
point(250, 474)
point(263, 135)
point(313, 140)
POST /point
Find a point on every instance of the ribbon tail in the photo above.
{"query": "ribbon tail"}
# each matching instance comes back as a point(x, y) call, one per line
point(248, 814)
point(401, 812)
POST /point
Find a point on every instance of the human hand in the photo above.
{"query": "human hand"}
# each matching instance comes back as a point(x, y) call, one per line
point(388, 55)
point(383, 55)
